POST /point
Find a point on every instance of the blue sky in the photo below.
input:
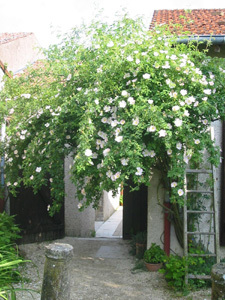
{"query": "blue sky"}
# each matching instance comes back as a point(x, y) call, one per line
point(43, 17)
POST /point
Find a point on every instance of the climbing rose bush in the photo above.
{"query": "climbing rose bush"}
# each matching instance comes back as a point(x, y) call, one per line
point(121, 100)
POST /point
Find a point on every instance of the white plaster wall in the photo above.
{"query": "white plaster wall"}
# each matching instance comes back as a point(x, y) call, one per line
point(81, 224)
point(20, 52)
point(110, 204)
point(155, 211)
point(155, 227)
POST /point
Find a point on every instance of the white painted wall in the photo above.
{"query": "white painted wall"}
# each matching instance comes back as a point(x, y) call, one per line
point(155, 227)
point(77, 223)
point(110, 204)
point(156, 214)
point(19, 52)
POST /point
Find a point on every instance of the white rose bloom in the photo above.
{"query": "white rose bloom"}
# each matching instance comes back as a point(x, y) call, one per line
point(119, 139)
point(162, 133)
point(109, 173)
point(207, 92)
point(169, 151)
point(107, 108)
point(183, 92)
point(129, 58)
point(124, 161)
point(139, 171)
point(175, 108)
point(27, 96)
point(131, 100)
point(135, 122)
point(122, 104)
point(114, 123)
point(88, 152)
point(179, 146)
point(38, 169)
point(152, 153)
point(110, 44)
point(178, 122)
point(150, 101)
point(180, 192)
point(124, 94)
point(173, 184)
point(197, 141)
point(146, 76)
point(151, 128)
point(106, 151)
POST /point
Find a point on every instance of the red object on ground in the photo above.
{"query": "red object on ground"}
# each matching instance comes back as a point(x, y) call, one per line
point(167, 230)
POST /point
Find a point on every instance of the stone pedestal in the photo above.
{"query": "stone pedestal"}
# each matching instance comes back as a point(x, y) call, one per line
point(56, 281)
point(218, 281)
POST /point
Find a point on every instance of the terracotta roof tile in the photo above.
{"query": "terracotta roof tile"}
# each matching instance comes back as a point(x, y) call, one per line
point(8, 37)
point(196, 21)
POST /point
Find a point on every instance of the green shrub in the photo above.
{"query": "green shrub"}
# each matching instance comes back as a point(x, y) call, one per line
point(154, 254)
point(9, 231)
point(10, 261)
point(174, 270)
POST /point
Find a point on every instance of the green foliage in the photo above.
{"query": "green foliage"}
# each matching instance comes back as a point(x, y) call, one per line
point(122, 100)
point(140, 237)
point(174, 270)
point(9, 232)
point(154, 254)
point(10, 261)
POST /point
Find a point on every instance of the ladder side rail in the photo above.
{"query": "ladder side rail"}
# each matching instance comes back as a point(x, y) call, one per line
point(185, 236)
point(215, 219)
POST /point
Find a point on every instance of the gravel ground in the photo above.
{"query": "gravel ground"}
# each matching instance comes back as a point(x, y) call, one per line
point(101, 269)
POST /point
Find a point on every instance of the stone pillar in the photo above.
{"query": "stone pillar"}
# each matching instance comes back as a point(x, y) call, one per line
point(218, 281)
point(56, 281)
point(80, 224)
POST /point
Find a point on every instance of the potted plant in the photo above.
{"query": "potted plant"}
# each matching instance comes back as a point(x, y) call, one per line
point(154, 257)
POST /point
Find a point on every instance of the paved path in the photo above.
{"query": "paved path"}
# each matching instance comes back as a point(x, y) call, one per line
point(112, 227)
point(102, 269)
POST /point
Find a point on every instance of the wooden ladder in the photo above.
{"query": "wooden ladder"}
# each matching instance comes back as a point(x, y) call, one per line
point(213, 212)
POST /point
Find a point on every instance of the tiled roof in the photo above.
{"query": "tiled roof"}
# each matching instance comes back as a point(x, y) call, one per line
point(8, 37)
point(196, 21)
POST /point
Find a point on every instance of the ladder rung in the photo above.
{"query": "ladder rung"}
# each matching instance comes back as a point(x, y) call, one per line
point(199, 191)
point(203, 255)
point(192, 276)
point(200, 212)
point(200, 232)
point(198, 171)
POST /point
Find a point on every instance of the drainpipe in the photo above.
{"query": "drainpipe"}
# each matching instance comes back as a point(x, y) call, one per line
point(3, 128)
point(214, 39)
point(167, 226)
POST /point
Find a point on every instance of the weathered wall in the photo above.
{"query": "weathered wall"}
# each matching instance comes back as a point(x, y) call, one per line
point(110, 204)
point(155, 227)
point(155, 211)
point(20, 52)
point(76, 223)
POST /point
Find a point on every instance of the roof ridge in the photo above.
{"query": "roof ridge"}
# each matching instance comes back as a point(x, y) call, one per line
point(7, 37)
point(196, 21)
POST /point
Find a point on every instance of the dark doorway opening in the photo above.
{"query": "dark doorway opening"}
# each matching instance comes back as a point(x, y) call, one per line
point(134, 211)
point(31, 214)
